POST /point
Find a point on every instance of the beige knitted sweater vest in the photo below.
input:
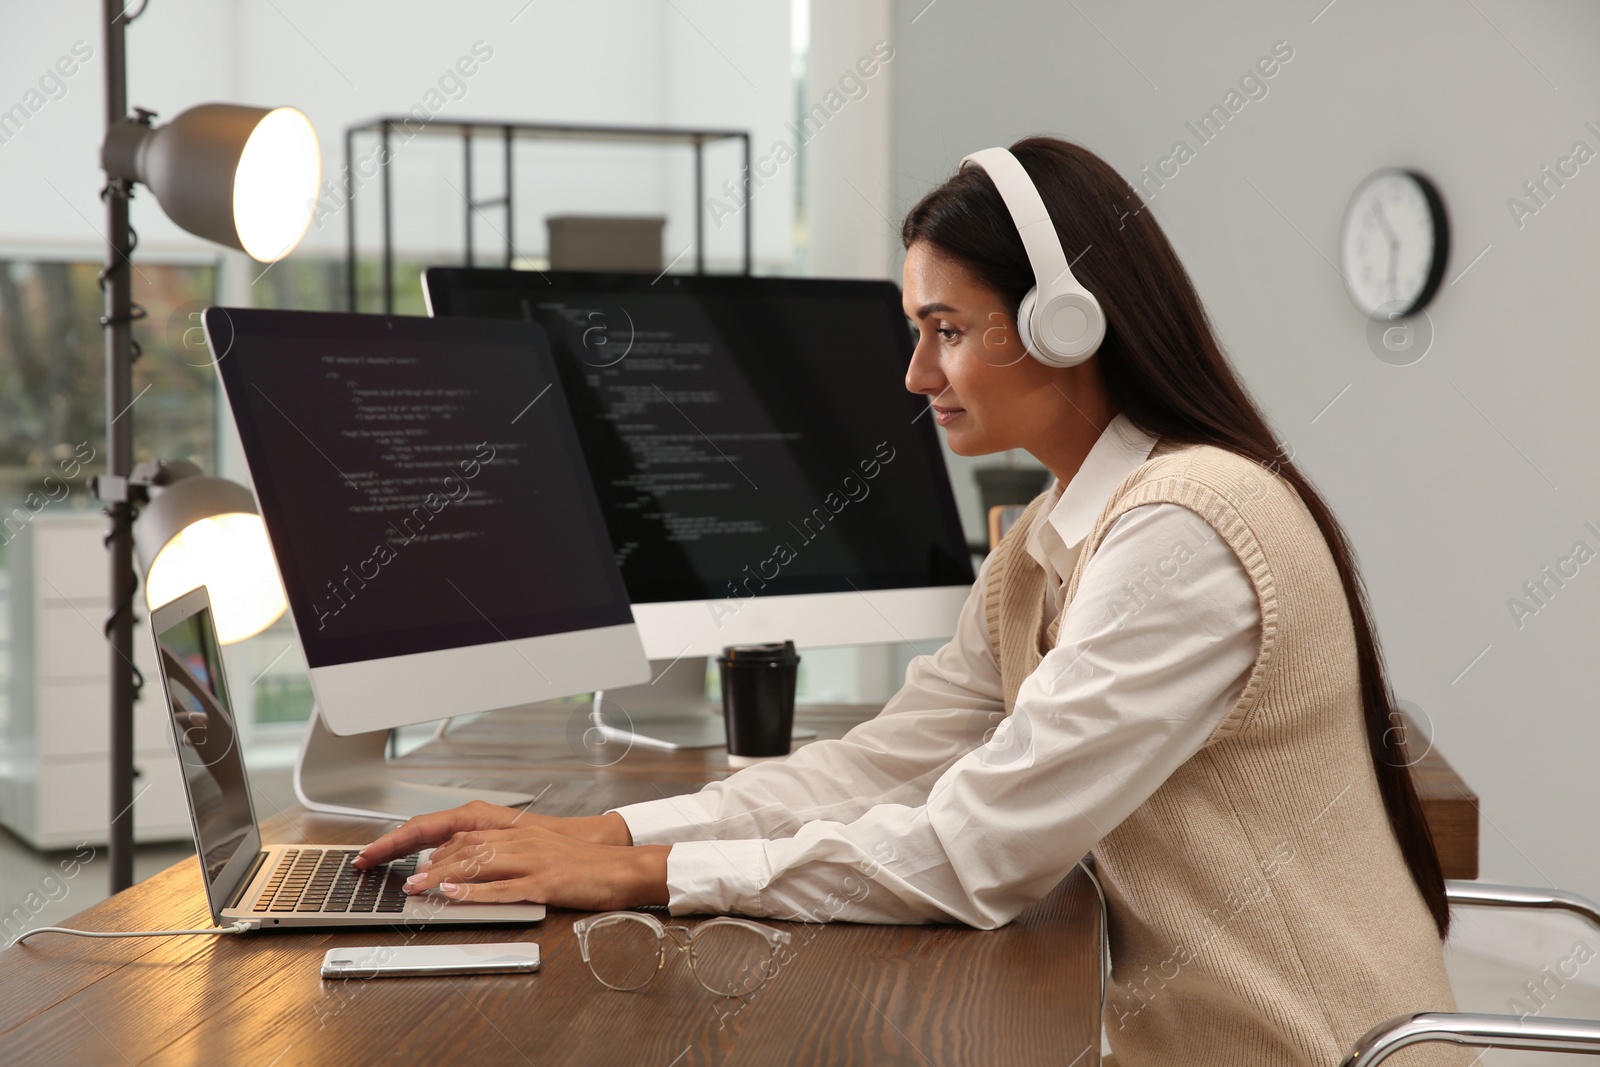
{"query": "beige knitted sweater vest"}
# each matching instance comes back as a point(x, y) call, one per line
point(1260, 909)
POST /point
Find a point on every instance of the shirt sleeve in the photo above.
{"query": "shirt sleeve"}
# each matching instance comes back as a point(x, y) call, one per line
point(1151, 655)
point(950, 699)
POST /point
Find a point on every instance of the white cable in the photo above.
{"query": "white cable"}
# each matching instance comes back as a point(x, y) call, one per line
point(243, 926)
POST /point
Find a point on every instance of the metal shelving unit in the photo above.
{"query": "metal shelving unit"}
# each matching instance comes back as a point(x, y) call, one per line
point(507, 134)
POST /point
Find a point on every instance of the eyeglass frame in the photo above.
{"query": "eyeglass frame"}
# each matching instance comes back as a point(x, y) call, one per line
point(776, 940)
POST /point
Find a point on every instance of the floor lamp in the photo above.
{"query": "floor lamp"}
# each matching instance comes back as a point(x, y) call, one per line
point(243, 177)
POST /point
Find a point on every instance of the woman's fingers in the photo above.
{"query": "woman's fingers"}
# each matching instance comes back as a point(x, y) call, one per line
point(425, 831)
point(474, 863)
point(410, 836)
point(466, 841)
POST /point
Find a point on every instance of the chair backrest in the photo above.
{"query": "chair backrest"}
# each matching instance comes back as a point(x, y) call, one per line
point(1001, 518)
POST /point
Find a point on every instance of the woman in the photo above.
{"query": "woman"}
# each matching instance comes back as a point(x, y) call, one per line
point(1175, 644)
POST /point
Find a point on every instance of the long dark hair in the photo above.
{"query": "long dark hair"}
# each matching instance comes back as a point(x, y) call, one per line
point(1165, 371)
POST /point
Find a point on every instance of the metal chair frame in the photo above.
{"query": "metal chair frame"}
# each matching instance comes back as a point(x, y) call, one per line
point(1478, 1030)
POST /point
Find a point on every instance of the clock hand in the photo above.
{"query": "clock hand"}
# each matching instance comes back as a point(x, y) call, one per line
point(1394, 246)
point(1377, 213)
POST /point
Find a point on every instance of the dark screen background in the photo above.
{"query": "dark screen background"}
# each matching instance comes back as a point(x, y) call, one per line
point(731, 425)
point(420, 480)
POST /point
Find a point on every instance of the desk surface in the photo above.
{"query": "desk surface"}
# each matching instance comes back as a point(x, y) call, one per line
point(848, 994)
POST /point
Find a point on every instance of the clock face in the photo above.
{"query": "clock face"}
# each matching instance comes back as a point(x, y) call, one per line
point(1393, 243)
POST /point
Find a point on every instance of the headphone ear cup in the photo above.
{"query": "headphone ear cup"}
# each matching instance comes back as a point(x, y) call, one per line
point(1066, 330)
point(1025, 324)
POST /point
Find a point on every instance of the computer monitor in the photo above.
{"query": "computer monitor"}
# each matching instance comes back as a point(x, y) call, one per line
point(764, 473)
point(430, 511)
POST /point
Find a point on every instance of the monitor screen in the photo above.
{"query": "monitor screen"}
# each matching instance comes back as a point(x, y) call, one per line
point(748, 436)
point(420, 481)
point(207, 741)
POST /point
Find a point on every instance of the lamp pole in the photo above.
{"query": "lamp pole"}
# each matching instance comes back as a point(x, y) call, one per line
point(192, 165)
point(113, 489)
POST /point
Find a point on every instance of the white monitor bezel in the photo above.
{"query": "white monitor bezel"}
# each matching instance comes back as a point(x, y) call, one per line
point(379, 694)
point(670, 629)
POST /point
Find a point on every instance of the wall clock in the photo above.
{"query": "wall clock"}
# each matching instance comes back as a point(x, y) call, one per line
point(1393, 243)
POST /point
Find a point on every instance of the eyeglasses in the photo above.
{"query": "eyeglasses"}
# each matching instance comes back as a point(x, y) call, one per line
point(730, 957)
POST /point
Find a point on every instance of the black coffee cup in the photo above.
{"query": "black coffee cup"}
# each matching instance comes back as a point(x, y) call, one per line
point(758, 699)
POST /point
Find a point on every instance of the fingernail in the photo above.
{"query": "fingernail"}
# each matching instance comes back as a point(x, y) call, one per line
point(450, 889)
point(415, 878)
point(423, 866)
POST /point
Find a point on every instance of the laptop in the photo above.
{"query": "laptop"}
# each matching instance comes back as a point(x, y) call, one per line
point(278, 886)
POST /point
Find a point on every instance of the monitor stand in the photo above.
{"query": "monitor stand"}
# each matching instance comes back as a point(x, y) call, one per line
point(351, 775)
point(671, 712)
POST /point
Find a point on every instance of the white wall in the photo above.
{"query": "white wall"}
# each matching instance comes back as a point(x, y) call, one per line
point(715, 63)
point(849, 218)
point(1458, 477)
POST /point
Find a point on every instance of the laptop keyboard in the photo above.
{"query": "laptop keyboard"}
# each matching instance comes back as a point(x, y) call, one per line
point(323, 881)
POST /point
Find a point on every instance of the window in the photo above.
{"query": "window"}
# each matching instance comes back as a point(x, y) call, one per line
point(52, 392)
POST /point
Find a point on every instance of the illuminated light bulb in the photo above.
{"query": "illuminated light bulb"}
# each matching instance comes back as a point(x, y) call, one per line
point(231, 556)
point(275, 187)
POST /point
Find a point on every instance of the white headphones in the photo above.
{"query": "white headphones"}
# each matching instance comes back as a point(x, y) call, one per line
point(1060, 321)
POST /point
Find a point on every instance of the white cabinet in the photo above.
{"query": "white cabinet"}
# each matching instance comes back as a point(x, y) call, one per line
point(55, 774)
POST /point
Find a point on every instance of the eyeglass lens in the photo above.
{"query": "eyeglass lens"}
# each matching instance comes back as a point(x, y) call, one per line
point(728, 960)
point(624, 954)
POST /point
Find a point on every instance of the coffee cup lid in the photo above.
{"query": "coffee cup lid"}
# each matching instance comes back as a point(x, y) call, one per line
point(774, 652)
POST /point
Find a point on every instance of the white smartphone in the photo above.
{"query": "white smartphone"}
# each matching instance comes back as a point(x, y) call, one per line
point(383, 961)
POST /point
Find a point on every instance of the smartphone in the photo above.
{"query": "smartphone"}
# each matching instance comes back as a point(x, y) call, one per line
point(383, 961)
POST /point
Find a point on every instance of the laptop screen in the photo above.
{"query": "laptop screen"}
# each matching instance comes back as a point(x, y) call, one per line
point(207, 741)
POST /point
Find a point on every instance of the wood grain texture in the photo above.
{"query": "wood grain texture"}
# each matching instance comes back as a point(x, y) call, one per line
point(845, 993)
point(1451, 809)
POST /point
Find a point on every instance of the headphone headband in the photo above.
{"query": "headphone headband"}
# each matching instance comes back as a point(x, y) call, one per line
point(1061, 322)
point(1029, 214)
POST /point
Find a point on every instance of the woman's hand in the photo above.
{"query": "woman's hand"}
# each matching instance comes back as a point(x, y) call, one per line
point(487, 853)
point(434, 829)
point(539, 865)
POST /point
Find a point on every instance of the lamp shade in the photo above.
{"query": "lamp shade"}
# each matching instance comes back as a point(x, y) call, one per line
point(206, 531)
point(244, 177)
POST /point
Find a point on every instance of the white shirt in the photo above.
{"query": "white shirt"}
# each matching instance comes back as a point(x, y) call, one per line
point(941, 807)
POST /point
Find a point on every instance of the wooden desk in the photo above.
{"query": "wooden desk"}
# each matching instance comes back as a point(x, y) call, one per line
point(1451, 809)
point(848, 994)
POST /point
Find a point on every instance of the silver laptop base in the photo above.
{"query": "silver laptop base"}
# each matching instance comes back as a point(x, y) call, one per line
point(351, 776)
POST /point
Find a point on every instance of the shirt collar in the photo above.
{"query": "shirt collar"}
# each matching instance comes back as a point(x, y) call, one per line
point(1121, 447)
